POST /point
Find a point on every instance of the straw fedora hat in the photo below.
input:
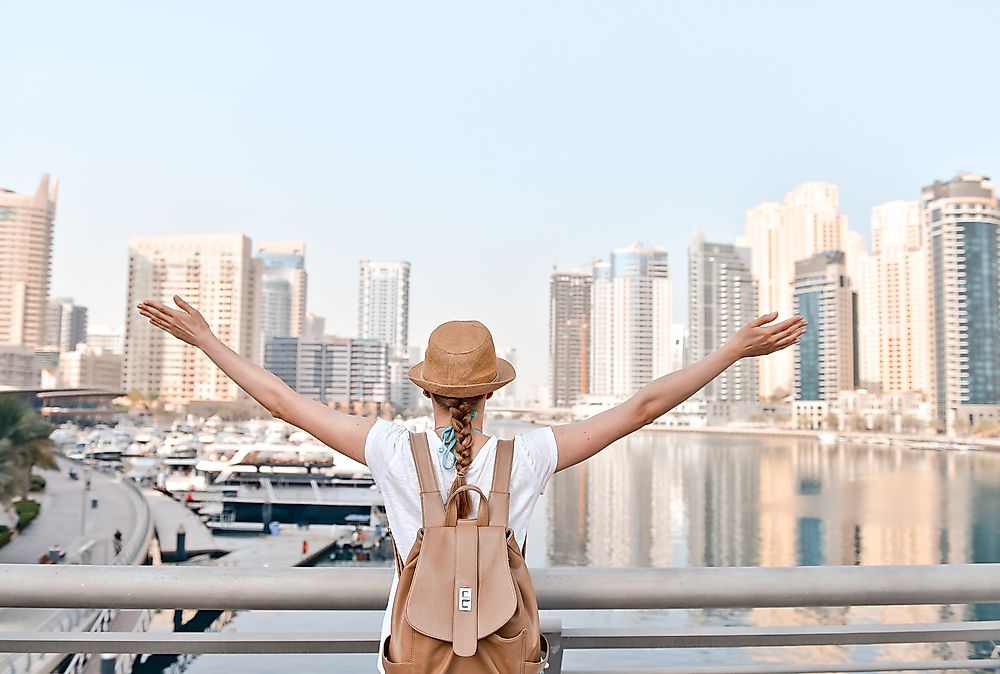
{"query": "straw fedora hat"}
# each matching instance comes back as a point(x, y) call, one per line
point(461, 362)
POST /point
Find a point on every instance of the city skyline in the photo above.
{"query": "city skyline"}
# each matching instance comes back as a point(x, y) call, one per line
point(484, 169)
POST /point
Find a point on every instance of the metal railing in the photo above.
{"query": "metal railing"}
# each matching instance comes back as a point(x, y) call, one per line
point(77, 618)
point(556, 588)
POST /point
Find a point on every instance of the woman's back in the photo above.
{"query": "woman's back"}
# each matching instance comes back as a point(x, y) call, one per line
point(389, 457)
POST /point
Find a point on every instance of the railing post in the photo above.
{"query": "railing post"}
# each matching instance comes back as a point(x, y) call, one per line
point(552, 629)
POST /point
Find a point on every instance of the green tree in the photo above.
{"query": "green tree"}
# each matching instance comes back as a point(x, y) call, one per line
point(24, 444)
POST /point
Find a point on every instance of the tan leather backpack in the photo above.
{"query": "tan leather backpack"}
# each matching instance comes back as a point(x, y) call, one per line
point(464, 601)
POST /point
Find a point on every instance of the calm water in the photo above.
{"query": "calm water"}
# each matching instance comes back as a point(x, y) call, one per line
point(684, 499)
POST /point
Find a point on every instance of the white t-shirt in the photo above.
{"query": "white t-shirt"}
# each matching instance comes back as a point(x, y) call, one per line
point(390, 460)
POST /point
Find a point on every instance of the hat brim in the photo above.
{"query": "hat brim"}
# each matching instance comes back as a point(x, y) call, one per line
point(505, 375)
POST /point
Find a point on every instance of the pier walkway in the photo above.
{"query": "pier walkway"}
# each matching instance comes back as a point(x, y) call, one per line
point(242, 549)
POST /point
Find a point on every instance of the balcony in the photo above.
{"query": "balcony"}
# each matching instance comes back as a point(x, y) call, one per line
point(559, 588)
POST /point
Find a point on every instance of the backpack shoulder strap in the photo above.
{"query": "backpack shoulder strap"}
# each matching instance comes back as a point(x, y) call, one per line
point(500, 491)
point(431, 505)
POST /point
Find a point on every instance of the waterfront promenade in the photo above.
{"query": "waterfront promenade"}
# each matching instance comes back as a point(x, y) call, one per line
point(67, 519)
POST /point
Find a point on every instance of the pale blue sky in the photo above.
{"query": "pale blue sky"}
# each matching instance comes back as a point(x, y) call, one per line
point(482, 142)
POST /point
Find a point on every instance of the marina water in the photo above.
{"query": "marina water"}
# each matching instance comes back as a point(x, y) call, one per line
point(661, 499)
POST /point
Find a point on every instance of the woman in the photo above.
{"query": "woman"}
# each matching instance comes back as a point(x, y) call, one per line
point(459, 375)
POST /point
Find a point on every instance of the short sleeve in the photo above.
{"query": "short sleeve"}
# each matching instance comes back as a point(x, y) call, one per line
point(540, 448)
point(382, 446)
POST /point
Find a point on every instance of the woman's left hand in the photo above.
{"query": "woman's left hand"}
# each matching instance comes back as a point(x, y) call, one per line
point(757, 339)
point(187, 324)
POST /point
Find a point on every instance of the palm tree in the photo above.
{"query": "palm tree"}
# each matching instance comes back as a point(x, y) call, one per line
point(24, 444)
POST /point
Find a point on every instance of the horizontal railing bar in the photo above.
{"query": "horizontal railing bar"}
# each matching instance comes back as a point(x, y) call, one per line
point(828, 668)
point(562, 588)
point(571, 639)
point(811, 635)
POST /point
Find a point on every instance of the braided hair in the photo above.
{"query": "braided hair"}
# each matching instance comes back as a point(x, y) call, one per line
point(460, 411)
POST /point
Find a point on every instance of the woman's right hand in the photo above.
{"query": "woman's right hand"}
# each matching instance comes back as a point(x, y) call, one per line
point(187, 324)
point(757, 339)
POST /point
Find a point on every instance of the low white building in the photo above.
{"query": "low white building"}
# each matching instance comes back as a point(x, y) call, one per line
point(90, 367)
point(861, 410)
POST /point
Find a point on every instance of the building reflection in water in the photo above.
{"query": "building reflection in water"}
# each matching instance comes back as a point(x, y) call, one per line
point(687, 499)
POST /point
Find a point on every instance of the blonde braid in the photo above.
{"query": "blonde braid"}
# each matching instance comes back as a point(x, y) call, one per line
point(461, 410)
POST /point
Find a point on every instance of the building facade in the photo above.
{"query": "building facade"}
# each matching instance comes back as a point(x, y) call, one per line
point(18, 368)
point(106, 337)
point(384, 314)
point(569, 336)
point(90, 367)
point(216, 274)
point(283, 283)
point(722, 297)
point(384, 304)
point(65, 324)
point(26, 224)
point(893, 320)
point(806, 222)
point(825, 356)
point(630, 320)
point(961, 225)
point(332, 370)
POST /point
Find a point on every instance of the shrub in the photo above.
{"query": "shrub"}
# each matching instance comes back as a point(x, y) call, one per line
point(37, 483)
point(26, 510)
point(5, 535)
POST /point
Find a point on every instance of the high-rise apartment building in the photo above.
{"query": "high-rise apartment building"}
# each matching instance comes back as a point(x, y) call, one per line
point(721, 299)
point(384, 304)
point(825, 356)
point(807, 222)
point(384, 314)
point(65, 324)
point(26, 224)
point(215, 273)
point(332, 369)
point(282, 289)
point(630, 320)
point(569, 335)
point(893, 319)
point(961, 226)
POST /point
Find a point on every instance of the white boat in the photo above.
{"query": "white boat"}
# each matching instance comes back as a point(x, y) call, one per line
point(66, 434)
point(826, 437)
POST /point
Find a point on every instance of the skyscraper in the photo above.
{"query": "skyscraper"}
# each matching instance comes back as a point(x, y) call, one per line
point(384, 314)
point(961, 224)
point(216, 274)
point(65, 324)
point(282, 289)
point(825, 355)
point(384, 304)
point(893, 320)
point(26, 224)
point(807, 222)
point(569, 335)
point(630, 320)
point(721, 299)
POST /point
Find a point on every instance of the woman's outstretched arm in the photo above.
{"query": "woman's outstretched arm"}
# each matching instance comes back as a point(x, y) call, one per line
point(345, 433)
point(579, 441)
